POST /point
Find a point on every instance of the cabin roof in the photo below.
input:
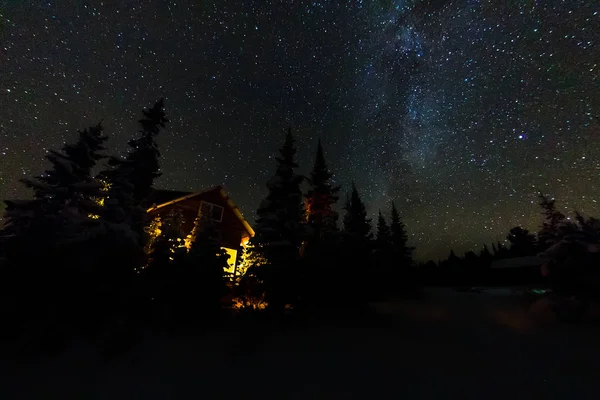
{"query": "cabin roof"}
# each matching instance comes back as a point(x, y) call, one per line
point(517, 262)
point(168, 197)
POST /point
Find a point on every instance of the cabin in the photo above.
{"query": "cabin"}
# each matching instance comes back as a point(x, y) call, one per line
point(213, 205)
point(516, 271)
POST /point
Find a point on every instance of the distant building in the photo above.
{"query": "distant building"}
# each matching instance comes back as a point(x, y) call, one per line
point(518, 262)
point(517, 271)
point(213, 205)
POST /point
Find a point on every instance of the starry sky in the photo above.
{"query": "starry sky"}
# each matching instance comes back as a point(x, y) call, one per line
point(461, 111)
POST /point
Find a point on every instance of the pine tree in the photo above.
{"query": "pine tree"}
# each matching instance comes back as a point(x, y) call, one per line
point(120, 296)
point(87, 151)
point(485, 252)
point(347, 221)
point(399, 239)
point(280, 226)
point(522, 242)
point(357, 281)
point(357, 237)
point(280, 230)
point(485, 255)
point(63, 196)
point(322, 195)
point(549, 233)
point(451, 269)
point(205, 270)
point(357, 227)
point(45, 237)
point(166, 255)
point(141, 165)
point(122, 216)
point(168, 244)
point(589, 229)
point(320, 256)
point(383, 234)
point(501, 251)
point(130, 179)
point(383, 254)
point(453, 257)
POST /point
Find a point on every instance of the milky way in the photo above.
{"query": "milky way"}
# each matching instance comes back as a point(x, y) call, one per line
point(461, 111)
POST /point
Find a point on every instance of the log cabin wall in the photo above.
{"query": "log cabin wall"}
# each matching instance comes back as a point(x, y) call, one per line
point(231, 229)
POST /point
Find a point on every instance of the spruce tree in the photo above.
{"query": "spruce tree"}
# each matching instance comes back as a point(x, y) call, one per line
point(402, 251)
point(522, 243)
point(280, 229)
point(45, 237)
point(87, 151)
point(555, 226)
point(357, 236)
point(319, 271)
point(167, 246)
point(129, 180)
point(485, 252)
point(501, 251)
point(347, 221)
point(280, 226)
point(62, 199)
point(485, 255)
point(383, 239)
point(357, 227)
point(548, 234)
point(453, 257)
point(400, 258)
point(120, 213)
point(119, 296)
point(141, 165)
point(383, 250)
point(322, 195)
point(589, 229)
point(204, 282)
point(356, 280)
point(166, 255)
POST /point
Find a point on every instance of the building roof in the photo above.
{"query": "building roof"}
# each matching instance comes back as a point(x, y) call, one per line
point(517, 262)
point(173, 196)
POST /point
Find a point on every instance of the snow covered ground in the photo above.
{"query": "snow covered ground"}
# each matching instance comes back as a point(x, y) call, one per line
point(448, 345)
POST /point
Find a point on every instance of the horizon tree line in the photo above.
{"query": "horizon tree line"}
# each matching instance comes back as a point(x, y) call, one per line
point(555, 228)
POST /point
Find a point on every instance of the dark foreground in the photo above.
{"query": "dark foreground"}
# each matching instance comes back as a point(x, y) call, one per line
point(449, 345)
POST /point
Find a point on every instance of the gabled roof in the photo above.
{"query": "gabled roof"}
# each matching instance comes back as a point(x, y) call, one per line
point(236, 211)
point(172, 196)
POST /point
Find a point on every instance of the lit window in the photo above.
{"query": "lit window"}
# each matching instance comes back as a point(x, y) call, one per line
point(211, 211)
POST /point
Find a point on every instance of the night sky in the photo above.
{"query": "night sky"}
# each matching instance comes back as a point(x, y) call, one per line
point(461, 111)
